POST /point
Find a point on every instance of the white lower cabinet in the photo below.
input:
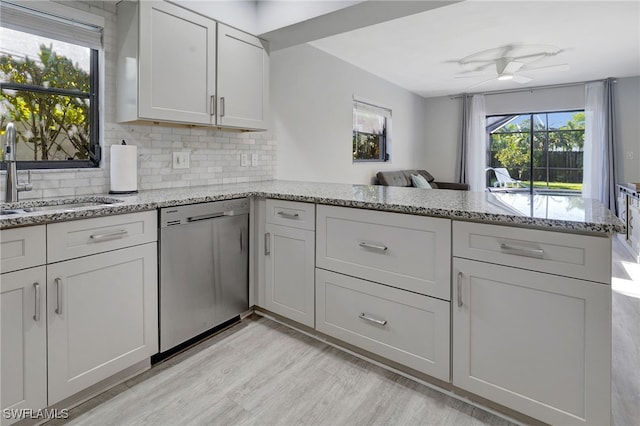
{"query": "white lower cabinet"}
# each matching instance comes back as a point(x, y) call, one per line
point(534, 342)
point(405, 327)
point(289, 263)
point(24, 341)
point(102, 317)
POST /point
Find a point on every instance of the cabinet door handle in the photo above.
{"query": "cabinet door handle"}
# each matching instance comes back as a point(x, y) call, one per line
point(522, 251)
point(222, 106)
point(288, 215)
point(459, 289)
point(241, 238)
point(267, 244)
point(36, 312)
point(373, 320)
point(108, 236)
point(212, 105)
point(58, 282)
point(373, 246)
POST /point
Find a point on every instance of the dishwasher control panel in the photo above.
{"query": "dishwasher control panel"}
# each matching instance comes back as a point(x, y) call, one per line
point(180, 215)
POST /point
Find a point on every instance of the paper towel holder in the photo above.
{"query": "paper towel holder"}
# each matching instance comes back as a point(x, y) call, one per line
point(134, 184)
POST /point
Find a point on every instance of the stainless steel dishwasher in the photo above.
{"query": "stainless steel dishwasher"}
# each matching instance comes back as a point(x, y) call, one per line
point(204, 268)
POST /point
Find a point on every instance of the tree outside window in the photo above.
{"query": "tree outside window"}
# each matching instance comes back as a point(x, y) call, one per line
point(49, 91)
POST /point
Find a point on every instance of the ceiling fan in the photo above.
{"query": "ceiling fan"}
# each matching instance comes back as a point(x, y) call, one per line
point(512, 61)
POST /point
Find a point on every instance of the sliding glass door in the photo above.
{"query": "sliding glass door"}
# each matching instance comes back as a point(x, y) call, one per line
point(536, 152)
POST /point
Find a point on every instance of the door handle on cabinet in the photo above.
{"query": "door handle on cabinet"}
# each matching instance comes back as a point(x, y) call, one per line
point(373, 246)
point(373, 320)
point(459, 289)
point(212, 105)
point(108, 236)
point(267, 243)
point(222, 106)
point(58, 282)
point(36, 312)
point(522, 251)
point(288, 215)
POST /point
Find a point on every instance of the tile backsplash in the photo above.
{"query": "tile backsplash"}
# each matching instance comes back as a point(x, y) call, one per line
point(214, 154)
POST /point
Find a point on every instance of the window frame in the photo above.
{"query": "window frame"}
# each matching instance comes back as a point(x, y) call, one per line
point(384, 146)
point(531, 132)
point(65, 17)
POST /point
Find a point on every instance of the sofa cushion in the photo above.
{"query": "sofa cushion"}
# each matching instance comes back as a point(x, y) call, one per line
point(394, 178)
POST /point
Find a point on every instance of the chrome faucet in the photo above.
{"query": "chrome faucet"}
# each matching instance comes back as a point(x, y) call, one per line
point(12, 186)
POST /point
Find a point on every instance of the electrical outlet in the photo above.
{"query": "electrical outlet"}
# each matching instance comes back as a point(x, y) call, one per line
point(629, 155)
point(181, 160)
point(244, 160)
point(254, 160)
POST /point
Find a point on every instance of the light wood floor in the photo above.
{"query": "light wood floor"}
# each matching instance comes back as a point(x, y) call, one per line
point(261, 372)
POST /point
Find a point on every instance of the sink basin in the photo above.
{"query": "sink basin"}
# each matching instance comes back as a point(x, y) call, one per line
point(55, 205)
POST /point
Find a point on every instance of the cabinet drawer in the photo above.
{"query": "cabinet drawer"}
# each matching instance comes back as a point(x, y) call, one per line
point(22, 248)
point(571, 255)
point(67, 240)
point(404, 327)
point(409, 252)
point(291, 213)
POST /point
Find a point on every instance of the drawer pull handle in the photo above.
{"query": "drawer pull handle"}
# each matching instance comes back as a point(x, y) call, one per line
point(459, 289)
point(267, 244)
point(373, 320)
point(373, 246)
point(36, 312)
point(520, 251)
point(58, 282)
point(108, 236)
point(288, 215)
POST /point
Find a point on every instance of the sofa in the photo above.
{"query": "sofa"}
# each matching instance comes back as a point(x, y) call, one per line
point(403, 178)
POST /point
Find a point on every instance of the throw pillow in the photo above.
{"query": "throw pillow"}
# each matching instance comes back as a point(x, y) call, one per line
point(419, 181)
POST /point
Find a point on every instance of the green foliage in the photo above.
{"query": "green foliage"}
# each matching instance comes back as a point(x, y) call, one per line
point(366, 146)
point(53, 127)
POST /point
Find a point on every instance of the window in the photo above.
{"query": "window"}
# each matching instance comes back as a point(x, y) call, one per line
point(49, 88)
point(543, 151)
point(371, 130)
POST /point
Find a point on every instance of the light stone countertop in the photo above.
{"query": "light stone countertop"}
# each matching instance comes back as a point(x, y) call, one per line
point(555, 212)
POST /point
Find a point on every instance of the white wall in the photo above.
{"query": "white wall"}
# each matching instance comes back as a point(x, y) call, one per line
point(627, 109)
point(444, 115)
point(311, 101)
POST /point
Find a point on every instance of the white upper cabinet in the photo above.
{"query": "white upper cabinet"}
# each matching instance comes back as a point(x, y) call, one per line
point(174, 65)
point(243, 79)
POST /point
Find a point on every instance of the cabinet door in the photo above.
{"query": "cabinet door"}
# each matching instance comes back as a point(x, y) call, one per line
point(289, 264)
point(243, 79)
point(24, 341)
point(537, 343)
point(177, 64)
point(102, 316)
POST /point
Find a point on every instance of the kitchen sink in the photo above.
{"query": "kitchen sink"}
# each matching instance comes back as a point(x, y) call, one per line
point(55, 205)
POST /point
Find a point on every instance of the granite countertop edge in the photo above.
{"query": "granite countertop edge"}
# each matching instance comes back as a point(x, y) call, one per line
point(151, 200)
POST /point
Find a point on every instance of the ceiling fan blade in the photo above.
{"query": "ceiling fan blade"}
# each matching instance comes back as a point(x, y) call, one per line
point(519, 78)
point(511, 67)
point(557, 67)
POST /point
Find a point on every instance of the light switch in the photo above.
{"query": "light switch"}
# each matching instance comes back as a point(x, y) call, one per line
point(181, 160)
point(244, 160)
point(254, 160)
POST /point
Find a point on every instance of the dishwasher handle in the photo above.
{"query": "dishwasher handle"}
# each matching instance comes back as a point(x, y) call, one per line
point(205, 217)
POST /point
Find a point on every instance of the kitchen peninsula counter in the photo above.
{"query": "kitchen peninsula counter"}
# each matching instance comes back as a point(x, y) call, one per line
point(558, 212)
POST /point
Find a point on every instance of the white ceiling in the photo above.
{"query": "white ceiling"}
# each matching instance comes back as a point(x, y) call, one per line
point(420, 52)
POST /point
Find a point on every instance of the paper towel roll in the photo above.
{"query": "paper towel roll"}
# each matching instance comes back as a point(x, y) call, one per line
point(124, 169)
